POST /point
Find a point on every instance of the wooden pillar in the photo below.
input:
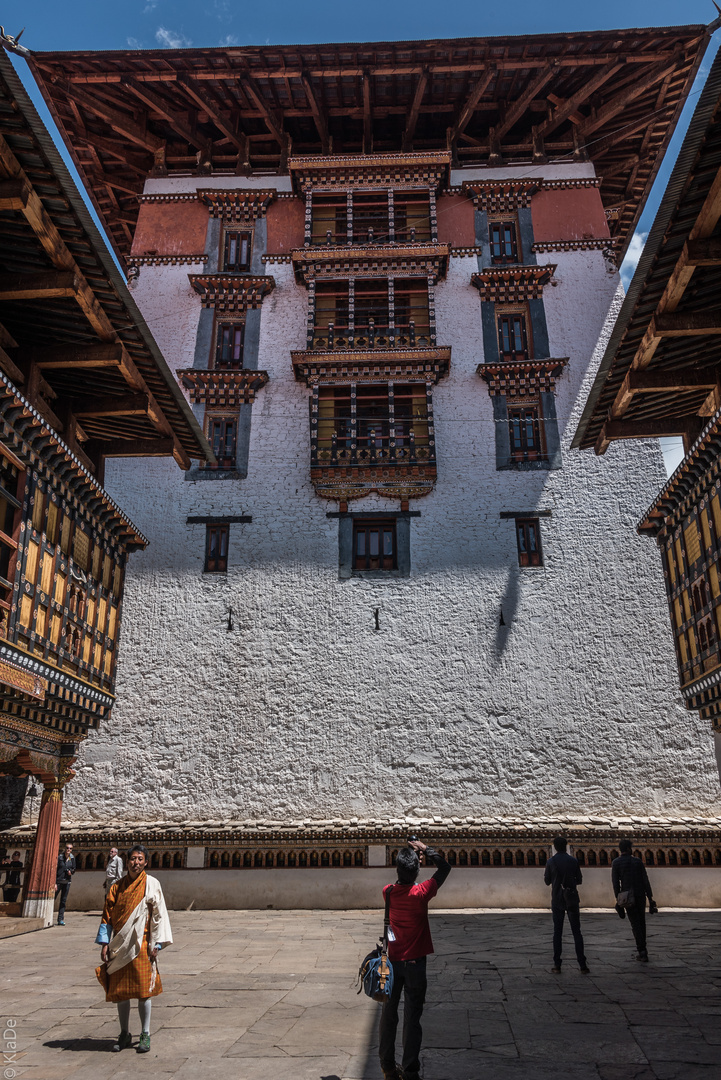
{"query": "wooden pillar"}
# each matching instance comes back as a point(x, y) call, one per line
point(40, 896)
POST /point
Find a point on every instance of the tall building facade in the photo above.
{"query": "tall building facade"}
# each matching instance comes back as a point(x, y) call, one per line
point(398, 602)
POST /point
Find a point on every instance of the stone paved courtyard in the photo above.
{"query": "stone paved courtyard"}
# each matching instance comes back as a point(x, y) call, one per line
point(258, 995)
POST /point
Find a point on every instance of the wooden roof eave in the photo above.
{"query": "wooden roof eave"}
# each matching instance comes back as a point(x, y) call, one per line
point(185, 427)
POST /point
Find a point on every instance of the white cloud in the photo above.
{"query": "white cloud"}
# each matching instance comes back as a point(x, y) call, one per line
point(170, 40)
point(150, 6)
point(630, 262)
point(133, 43)
point(229, 39)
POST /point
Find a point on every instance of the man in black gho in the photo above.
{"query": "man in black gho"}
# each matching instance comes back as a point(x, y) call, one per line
point(564, 876)
point(631, 884)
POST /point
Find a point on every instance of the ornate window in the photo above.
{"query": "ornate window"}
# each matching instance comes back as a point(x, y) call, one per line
point(513, 337)
point(223, 437)
point(372, 217)
point(236, 251)
point(229, 345)
point(526, 435)
point(216, 549)
point(374, 544)
point(528, 538)
point(503, 241)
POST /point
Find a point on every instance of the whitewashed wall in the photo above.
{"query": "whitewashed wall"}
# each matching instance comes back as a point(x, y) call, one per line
point(304, 710)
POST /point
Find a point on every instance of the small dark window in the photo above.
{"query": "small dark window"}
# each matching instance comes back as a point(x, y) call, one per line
point(528, 538)
point(525, 431)
point(374, 545)
point(513, 337)
point(237, 251)
point(216, 549)
point(229, 345)
point(223, 437)
point(504, 248)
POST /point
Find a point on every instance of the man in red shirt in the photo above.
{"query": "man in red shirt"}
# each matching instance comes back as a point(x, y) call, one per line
point(409, 943)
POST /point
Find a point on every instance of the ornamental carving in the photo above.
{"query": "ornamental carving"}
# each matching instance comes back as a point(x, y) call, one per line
point(501, 196)
point(412, 365)
point(222, 388)
point(512, 284)
point(236, 206)
point(231, 292)
point(382, 260)
point(371, 170)
point(522, 378)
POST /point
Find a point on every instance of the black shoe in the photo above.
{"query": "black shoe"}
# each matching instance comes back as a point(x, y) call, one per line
point(585, 970)
point(393, 1073)
point(556, 969)
point(123, 1041)
point(643, 957)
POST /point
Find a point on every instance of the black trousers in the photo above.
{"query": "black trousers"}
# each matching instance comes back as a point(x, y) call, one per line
point(637, 918)
point(408, 976)
point(574, 919)
point(63, 891)
point(11, 893)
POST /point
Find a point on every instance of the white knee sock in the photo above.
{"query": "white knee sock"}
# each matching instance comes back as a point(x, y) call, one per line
point(124, 1015)
point(144, 1013)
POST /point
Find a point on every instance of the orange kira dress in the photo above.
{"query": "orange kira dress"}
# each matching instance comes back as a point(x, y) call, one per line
point(140, 978)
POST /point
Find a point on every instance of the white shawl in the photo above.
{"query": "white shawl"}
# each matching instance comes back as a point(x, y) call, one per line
point(126, 943)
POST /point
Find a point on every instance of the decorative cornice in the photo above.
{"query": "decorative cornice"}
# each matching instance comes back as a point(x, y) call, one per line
point(512, 284)
point(280, 259)
point(59, 682)
point(231, 292)
point(598, 243)
point(461, 252)
point(500, 196)
point(522, 378)
point(170, 197)
point(166, 260)
point(390, 481)
point(236, 204)
point(371, 260)
point(409, 365)
point(371, 170)
point(686, 485)
point(222, 388)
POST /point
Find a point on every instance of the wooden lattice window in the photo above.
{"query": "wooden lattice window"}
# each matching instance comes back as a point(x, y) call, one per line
point(525, 431)
point(10, 507)
point(503, 241)
point(236, 256)
point(216, 549)
point(374, 545)
point(513, 338)
point(229, 345)
point(223, 437)
point(528, 538)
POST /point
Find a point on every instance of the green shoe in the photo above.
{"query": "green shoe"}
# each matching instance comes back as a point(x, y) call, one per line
point(123, 1041)
point(144, 1042)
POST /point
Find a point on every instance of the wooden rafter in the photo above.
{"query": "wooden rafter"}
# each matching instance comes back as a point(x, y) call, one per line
point(155, 102)
point(568, 107)
point(466, 113)
point(118, 120)
point(203, 101)
point(318, 117)
point(514, 112)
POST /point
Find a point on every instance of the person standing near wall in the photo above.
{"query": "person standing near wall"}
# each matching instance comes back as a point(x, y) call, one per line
point(13, 869)
point(113, 869)
point(63, 879)
point(564, 876)
point(631, 887)
point(408, 947)
point(133, 929)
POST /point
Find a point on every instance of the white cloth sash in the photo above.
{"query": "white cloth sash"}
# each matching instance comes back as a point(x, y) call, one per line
point(127, 942)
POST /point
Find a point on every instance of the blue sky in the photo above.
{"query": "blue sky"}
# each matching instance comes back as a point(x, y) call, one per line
point(147, 24)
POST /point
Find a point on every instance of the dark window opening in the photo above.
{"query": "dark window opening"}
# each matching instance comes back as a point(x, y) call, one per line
point(370, 218)
point(504, 245)
point(216, 549)
point(525, 429)
point(229, 345)
point(223, 437)
point(412, 218)
point(513, 337)
point(374, 545)
point(330, 219)
point(528, 538)
point(237, 251)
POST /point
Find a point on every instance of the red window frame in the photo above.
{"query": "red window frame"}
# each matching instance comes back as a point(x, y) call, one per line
point(229, 342)
point(503, 239)
point(528, 539)
point(223, 438)
point(216, 549)
point(236, 252)
point(513, 343)
point(525, 433)
point(375, 545)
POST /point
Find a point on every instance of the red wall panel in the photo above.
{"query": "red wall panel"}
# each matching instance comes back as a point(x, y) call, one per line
point(176, 228)
point(568, 214)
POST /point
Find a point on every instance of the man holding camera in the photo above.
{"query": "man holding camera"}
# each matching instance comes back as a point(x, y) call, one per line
point(409, 943)
point(631, 887)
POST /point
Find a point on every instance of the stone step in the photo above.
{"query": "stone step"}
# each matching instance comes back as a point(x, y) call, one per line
point(12, 927)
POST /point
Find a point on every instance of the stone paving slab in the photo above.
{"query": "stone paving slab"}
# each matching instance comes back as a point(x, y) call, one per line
point(270, 995)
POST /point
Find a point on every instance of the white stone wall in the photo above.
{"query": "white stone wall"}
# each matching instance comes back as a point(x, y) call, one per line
point(304, 710)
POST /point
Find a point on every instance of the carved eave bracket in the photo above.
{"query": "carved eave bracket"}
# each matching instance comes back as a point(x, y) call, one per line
point(231, 292)
point(370, 170)
point(222, 388)
point(512, 284)
point(412, 365)
point(396, 482)
point(236, 206)
point(371, 260)
point(501, 196)
point(524, 377)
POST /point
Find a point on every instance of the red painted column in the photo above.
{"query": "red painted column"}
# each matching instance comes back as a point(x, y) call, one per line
point(40, 896)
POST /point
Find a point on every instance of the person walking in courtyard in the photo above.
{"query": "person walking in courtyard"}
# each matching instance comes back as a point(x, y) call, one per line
point(631, 887)
point(408, 946)
point(63, 879)
point(564, 876)
point(114, 869)
point(133, 929)
point(13, 869)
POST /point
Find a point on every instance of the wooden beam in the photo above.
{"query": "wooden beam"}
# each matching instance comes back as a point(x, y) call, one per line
point(14, 194)
point(614, 430)
point(367, 117)
point(318, 117)
point(414, 111)
point(128, 405)
point(638, 86)
point(570, 105)
point(516, 110)
point(204, 101)
point(117, 120)
point(130, 447)
point(672, 382)
point(47, 286)
point(624, 132)
point(10, 368)
point(704, 252)
point(687, 323)
point(77, 356)
point(466, 113)
point(275, 127)
point(158, 105)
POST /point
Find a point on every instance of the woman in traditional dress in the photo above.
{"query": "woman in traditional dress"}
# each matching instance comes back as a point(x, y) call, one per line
point(133, 930)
